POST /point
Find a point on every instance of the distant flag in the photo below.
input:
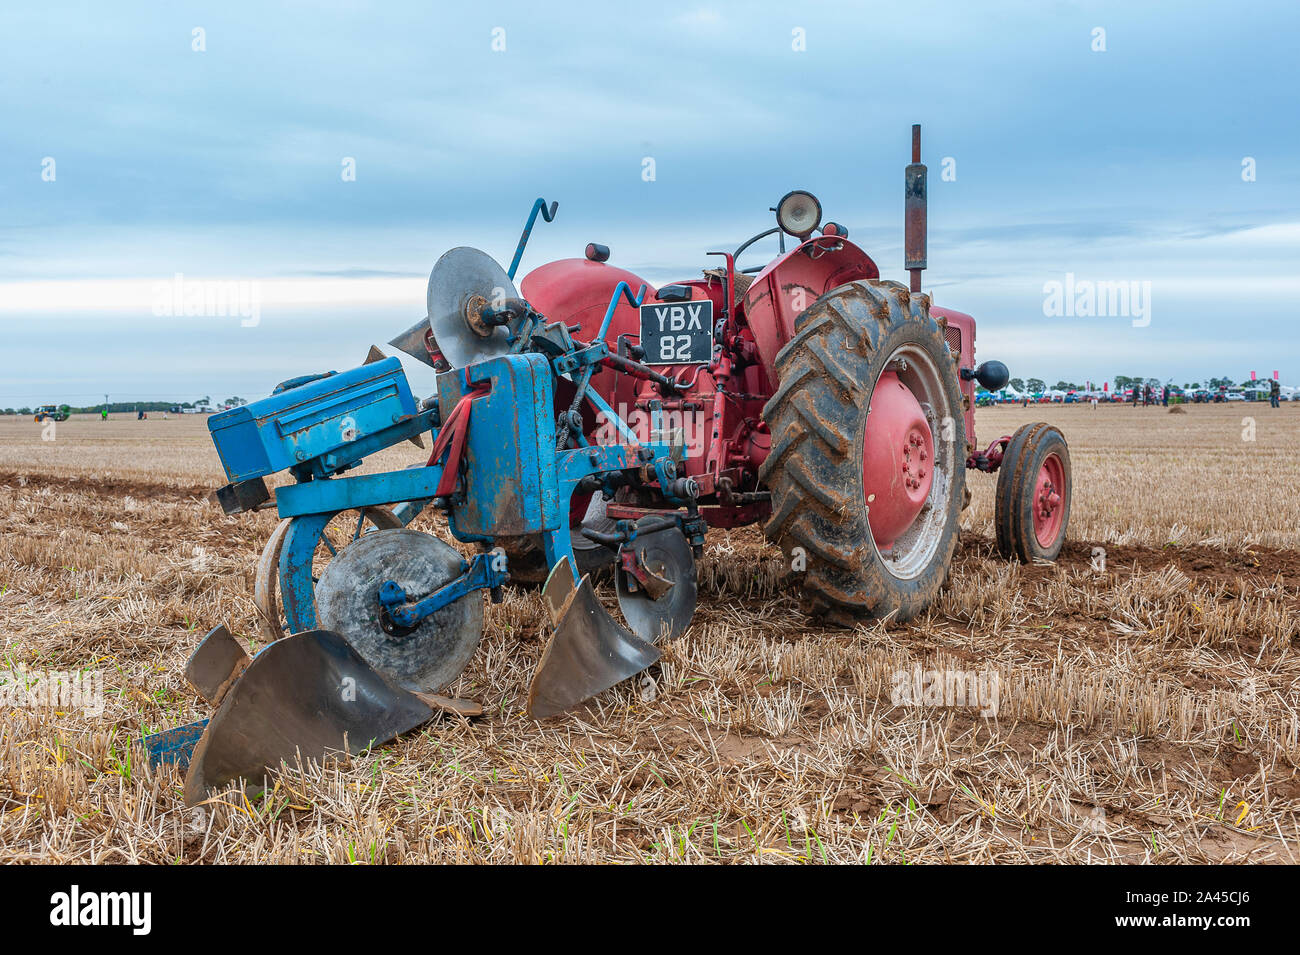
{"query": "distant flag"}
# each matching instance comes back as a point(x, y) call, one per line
point(1105, 386)
point(1252, 376)
point(1275, 375)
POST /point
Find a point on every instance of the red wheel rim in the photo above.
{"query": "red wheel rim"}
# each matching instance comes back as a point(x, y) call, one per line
point(897, 460)
point(1049, 500)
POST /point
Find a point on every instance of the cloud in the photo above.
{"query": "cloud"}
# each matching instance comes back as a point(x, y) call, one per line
point(699, 17)
point(227, 162)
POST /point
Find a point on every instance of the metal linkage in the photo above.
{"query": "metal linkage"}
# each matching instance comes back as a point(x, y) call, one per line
point(485, 572)
point(548, 214)
point(595, 354)
point(626, 531)
point(624, 290)
point(990, 459)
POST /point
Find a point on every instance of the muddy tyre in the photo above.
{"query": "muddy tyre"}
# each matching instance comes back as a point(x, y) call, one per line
point(867, 468)
point(1032, 503)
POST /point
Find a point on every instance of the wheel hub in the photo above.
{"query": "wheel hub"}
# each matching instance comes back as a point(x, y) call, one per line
point(1047, 501)
point(897, 460)
point(423, 658)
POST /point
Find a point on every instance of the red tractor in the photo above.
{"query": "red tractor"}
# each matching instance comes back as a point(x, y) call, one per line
point(810, 395)
point(577, 423)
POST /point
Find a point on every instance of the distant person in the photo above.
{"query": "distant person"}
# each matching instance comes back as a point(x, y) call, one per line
point(1024, 401)
point(1274, 392)
point(1093, 400)
point(139, 414)
point(103, 414)
point(1164, 396)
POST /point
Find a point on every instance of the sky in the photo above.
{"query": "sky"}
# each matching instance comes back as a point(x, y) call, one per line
point(1152, 144)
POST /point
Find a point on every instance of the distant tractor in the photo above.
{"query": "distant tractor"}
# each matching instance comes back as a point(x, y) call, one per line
point(584, 419)
point(52, 412)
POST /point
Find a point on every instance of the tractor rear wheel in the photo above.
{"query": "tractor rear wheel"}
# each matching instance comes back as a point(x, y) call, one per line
point(1032, 503)
point(867, 468)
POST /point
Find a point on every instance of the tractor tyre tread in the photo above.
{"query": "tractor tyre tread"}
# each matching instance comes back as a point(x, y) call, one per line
point(1013, 520)
point(817, 415)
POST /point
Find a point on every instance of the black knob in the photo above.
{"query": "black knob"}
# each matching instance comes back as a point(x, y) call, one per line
point(993, 375)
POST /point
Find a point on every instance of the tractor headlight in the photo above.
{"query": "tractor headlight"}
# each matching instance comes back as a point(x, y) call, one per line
point(799, 213)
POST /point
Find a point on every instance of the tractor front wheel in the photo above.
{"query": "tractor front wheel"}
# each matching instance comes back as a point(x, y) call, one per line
point(1032, 503)
point(867, 468)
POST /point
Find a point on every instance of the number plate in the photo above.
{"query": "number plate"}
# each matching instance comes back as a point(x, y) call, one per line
point(677, 333)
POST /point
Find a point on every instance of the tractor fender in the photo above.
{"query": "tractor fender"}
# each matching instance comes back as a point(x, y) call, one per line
point(790, 284)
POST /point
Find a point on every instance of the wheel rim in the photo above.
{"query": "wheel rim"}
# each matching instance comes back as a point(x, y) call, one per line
point(908, 457)
point(273, 622)
point(1049, 500)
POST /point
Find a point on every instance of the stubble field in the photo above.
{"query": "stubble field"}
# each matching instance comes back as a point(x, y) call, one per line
point(1148, 690)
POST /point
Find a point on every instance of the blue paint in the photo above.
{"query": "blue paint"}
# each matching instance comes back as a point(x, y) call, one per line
point(624, 290)
point(175, 745)
point(548, 214)
point(324, 416)
point(485, 572)
point(297, 589)
point(602, 407)
point(509, 486)
point(514, 483)
point(362, 490)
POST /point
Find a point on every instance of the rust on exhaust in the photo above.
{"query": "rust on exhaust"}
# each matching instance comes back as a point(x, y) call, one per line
point(914, 213)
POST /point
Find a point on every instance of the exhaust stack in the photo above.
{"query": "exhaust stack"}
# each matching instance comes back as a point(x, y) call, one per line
point(914, 219)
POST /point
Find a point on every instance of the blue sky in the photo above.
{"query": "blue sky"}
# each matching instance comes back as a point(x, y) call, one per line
point(224, 164)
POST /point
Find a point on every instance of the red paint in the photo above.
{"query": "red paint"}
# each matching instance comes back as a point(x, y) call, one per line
point(451, 440)
point(720, 410)
point(1048, 510)
point(897, 460)
point(792, 282)
point(965, 324)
